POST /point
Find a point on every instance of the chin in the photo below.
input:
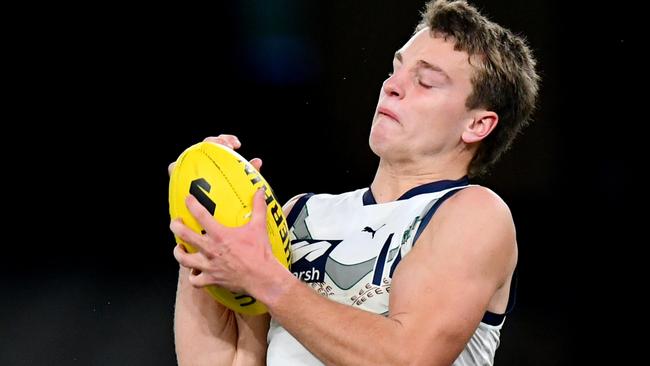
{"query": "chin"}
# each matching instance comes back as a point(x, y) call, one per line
point(383, 133)
point(378, 143)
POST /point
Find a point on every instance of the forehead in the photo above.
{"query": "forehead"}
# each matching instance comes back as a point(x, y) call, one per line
point(436, 50)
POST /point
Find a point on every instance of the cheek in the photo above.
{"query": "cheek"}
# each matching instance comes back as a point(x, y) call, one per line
point(422, 120)
point(439, 115)
point(427, 126)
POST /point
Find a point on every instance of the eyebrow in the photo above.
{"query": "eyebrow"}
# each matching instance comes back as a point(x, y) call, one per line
point(425, 65)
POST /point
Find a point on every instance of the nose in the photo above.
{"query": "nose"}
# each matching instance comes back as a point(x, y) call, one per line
point(393, 86)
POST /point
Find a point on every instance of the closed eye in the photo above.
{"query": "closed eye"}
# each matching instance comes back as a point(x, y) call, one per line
point(426, 86)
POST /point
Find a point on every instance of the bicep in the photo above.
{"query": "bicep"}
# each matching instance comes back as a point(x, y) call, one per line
point(442, 288)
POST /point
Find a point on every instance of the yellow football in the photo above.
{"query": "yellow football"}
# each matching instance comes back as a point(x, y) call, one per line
point(224, 183)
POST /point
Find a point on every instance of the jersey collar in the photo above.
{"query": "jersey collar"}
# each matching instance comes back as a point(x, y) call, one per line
point(437, 186)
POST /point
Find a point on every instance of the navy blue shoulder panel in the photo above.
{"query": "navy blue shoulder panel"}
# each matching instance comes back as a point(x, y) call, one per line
point(297, 207)
point(432, 210)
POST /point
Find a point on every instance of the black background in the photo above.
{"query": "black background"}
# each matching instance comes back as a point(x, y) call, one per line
point(109, 96)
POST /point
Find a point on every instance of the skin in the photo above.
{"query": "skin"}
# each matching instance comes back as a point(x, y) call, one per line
point(460, 267)
point(208, 333)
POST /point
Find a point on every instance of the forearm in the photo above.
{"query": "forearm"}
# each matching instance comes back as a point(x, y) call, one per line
point(337, 334)
point(251, 340)
point(205, 332)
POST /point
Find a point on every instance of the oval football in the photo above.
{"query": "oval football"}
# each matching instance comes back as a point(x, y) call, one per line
point(224, 183)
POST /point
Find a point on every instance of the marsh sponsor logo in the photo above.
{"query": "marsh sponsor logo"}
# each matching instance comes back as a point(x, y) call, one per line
point(310, 258)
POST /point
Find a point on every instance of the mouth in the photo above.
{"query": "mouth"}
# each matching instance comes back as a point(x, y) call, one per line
point(387, 112)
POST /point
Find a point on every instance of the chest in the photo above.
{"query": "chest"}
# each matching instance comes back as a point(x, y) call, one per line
point(353, 263)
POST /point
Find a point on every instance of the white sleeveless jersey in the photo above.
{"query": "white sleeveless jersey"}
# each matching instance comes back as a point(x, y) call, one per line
point(346, 247)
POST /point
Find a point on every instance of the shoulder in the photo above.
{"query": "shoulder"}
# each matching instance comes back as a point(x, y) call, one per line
point(478, 202)
point(475, 224)
point(464, 256)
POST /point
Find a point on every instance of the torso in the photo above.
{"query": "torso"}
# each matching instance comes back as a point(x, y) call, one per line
point(346, 247)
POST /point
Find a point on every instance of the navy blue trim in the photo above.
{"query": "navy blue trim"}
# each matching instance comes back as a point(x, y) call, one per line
point(496, 319)
point(441, 185)
point(297, 207)
point(368, 198)
point(381, 261)
point(432, 210)
point(491, 318)
point(396, 262)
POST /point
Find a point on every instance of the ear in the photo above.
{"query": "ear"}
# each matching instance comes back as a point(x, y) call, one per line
point(482, 123)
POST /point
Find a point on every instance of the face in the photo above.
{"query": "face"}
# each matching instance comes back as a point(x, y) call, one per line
point(421, 110)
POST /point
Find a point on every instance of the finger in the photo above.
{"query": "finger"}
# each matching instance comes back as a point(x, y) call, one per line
point(188, 235)
point(220, 141)
point(234, 140)
point(259, 208)
point(205, 219)
point(199, 279)
point(187, 260)
point(170, 167)
point(230, 141)
point(256, 163)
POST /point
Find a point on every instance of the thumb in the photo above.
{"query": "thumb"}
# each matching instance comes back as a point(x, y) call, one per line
point(259, 207)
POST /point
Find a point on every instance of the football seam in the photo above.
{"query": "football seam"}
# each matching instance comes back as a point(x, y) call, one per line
point(225, 177)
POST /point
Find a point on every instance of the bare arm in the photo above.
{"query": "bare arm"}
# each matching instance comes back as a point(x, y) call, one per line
point(439, 294)
point(440, 291)
point(252, 330)
point(208, 333)
point(251, 340)
point(205, 331)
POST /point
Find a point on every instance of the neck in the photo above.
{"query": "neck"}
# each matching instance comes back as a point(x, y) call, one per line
point(393, 180)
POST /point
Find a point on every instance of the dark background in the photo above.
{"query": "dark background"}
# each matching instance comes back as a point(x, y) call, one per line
point(117, 92)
